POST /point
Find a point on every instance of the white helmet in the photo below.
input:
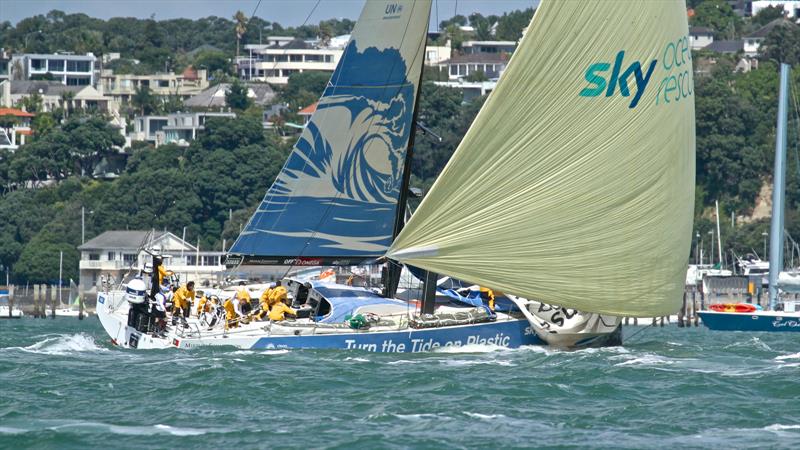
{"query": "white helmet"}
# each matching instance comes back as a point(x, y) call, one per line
point(135, 291)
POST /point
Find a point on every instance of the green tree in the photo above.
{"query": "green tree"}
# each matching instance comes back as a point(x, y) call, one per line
point(240, 28)
point(236, 96)
point(782, 44)
point(144, 100)
point(719, 16)
point(767, 15)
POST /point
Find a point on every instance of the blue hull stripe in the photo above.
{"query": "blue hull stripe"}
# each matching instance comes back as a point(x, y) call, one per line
point(506, 333)
point(750, 322)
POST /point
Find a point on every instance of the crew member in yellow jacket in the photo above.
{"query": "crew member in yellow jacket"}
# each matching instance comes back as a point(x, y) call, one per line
point(276, 314)
point(488, 294)
point(203, 305)
point(181, 299)
point(278, 293)
point(162, 271)
point(230, 313)
point(266, 302)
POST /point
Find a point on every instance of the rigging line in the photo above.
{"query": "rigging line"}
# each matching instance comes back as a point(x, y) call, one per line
point(268, 196)
point(628, 340)
point(793, 90)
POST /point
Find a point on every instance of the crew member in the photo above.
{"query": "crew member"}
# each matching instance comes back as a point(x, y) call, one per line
point(181, 300)
point(265, 302)
point(279, 308)
point(488, 294)
point(202, 305)
point(278, 293)
point(162, 271)
point(230, 313)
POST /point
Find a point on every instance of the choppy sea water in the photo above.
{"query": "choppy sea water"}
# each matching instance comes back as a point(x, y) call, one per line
point(63, 386)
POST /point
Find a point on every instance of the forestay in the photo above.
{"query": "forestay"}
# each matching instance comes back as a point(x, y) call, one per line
point(335, 200)
point(575, 184)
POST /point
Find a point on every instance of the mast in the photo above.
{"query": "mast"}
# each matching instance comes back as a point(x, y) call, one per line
point(719, 236)
point(394, 270)
point(778, 192)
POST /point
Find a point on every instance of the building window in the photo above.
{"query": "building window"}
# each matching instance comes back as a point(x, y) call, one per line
point(328, 58)
point(296, 58)
point(163, 83)
point(37, 64)
point(454, 70)
point(56, 65)
point(94, 257)
point(313, 58)
point(191, 260)
point(129, 258)
point(78, 66)
point(77, 81)
point(112, 256)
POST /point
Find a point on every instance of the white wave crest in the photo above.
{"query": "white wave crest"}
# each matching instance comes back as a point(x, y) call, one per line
point(64, 344)
point(646, 360)
point(483, 416)
point(471, 348)
point(779, 427)
point(785, 357)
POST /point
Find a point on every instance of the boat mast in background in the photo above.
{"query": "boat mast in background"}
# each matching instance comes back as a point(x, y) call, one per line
point(778, 192)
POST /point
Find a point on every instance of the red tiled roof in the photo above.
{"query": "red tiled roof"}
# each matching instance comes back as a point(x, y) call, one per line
point(14, 112)
point(24, 131)
point(308, 110)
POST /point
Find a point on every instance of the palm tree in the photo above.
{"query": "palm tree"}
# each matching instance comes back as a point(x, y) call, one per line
point(66, 101)
point(241, 28)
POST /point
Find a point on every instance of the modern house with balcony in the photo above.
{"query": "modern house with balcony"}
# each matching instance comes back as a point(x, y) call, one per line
point(276, 61)
point(470, 47)
point(123, 86)
point(492, 65)
point(179, 128)
point(113, 254)
point(66, 68)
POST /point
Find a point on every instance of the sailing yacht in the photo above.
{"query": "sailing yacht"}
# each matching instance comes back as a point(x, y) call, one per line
point(582, 156)
point(784, 312)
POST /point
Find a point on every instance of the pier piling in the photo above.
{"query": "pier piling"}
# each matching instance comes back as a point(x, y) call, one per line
point(53, 300)
point(35, 301)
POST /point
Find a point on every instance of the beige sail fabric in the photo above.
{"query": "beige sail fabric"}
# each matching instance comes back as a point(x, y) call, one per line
point(575, 184)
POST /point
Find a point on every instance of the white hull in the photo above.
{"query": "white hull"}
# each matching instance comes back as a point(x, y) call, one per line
point(506, 331)
point(66, 312)
point(16, 313)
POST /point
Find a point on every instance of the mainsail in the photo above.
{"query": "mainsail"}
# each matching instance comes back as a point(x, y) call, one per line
point(575, 184)
point(335, 200)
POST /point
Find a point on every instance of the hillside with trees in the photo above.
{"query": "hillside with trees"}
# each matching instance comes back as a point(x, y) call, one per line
point(212, 186)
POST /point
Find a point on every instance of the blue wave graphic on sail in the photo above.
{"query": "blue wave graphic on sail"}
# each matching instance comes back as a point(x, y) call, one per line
point(337, 193)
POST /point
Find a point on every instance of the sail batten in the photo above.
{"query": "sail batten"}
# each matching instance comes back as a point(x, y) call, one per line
point(335, 200)
point(575, 183)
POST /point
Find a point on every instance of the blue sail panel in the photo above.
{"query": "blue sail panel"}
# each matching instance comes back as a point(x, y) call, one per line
point(335, 200)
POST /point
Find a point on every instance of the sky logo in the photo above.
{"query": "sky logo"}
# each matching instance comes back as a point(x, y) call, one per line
point(598, 83)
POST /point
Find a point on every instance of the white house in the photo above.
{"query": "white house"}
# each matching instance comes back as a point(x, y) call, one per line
point(179, 128)
point(276, 61)
point(114, 254)
point(460, 66)
point(753, 41)
point(700, 37)
point(67, 68)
